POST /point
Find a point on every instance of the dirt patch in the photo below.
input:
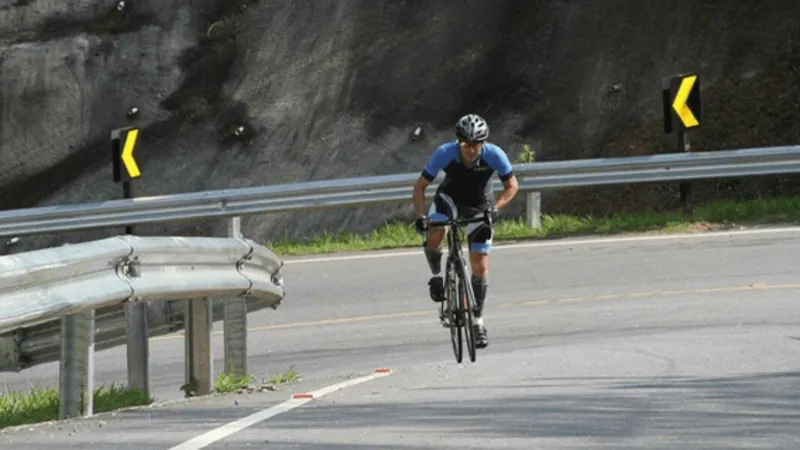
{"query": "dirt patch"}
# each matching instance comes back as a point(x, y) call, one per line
point(110, 21)
point(114, 20)
point(208, 66)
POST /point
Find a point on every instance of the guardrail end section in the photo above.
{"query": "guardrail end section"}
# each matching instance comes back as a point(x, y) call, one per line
point(248, 255)
point(242, 262)
point(126, 267)
point(261, 265)
point(262, 255)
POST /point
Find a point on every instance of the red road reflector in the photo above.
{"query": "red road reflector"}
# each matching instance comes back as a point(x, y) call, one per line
point(382, 370)
point(302, 396)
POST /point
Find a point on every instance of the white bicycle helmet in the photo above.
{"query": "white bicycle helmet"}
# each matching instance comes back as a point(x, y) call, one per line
point(472, 128)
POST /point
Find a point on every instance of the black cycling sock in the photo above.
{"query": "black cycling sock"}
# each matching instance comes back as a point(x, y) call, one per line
point(479, 287)
point(434, 257)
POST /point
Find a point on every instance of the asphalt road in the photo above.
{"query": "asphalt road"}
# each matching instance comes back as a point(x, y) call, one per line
point(659, 343)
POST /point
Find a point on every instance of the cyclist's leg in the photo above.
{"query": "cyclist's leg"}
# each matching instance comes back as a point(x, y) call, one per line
point(480, 244)
point(442, 208)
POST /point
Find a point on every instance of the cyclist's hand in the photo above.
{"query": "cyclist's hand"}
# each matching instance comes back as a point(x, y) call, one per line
point(422, 224)
point(492, 214)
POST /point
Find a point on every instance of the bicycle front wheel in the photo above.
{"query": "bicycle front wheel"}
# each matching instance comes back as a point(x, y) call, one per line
point(466, 307)
point(453, 295)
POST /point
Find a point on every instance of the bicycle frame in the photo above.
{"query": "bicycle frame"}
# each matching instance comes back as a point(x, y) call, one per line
point(460, 301)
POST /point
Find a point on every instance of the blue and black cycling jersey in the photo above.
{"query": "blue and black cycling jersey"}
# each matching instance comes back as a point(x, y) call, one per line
point(469, 186)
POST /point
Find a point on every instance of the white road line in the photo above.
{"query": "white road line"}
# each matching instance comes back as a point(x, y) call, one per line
point(562, 243)
point(230, 428)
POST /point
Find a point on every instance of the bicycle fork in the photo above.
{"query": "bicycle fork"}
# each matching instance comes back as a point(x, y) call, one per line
point(445, 312)
point(448, 314)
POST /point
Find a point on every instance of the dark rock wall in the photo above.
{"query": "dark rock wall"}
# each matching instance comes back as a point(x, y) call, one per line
point(330, 89)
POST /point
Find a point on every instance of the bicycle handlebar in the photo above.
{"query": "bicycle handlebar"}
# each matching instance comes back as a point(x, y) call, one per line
point(458, 222)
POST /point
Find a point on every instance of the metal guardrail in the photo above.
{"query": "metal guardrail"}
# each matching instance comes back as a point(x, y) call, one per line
point(45, 284)
point(72, 282)
point(393, 188)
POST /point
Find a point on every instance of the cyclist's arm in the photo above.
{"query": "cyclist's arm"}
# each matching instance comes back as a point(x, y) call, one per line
point(511, 187)
point(419, 195)
point(436, 162)
point(498, 160)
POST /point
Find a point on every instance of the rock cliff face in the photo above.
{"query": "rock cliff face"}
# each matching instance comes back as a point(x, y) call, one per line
point(329, 89)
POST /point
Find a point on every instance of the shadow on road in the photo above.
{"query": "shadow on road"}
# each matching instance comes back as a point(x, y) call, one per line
point(668, 412)
point(729, 408)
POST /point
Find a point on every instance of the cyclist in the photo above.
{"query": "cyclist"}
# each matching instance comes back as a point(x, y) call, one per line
point(468, 163)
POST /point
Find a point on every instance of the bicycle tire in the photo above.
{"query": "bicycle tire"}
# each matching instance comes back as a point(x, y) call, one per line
point(453, 293)
point(466, 305)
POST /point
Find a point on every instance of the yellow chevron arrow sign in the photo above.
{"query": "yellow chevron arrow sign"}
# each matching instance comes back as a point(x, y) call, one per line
point(127, 154)
point(686, 102)
point(124, 167)
point(680, 106)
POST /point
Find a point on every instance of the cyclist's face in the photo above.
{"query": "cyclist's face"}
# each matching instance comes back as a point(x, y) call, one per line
point(471, 151)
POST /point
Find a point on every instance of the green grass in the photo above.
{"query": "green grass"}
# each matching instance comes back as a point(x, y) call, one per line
point(713, 214)
point(227, 382)
point(287, 377)
point(41, 404)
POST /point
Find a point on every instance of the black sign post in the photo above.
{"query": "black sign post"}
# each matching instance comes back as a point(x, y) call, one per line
point(125, 170)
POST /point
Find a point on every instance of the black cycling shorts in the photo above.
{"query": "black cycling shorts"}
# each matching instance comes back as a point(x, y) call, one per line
point(479, 234)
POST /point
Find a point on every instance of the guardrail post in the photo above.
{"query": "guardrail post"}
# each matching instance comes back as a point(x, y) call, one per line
point(138, 346)
point(76, 372)
point(235, 321)
point(199, 361)
point(533, 209)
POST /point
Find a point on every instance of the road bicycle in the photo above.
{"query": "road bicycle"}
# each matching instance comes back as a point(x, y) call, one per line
point(456, 312)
